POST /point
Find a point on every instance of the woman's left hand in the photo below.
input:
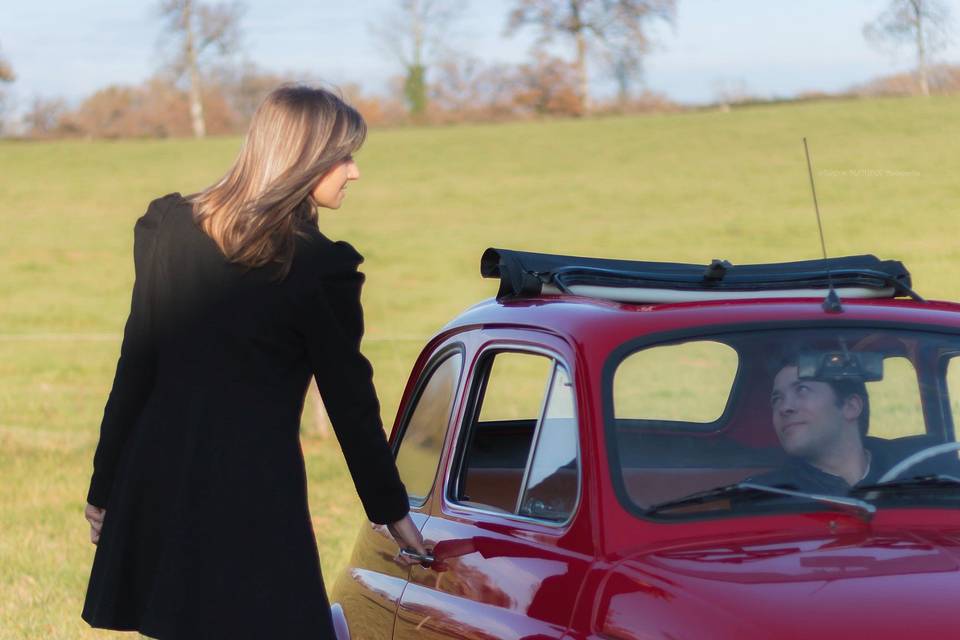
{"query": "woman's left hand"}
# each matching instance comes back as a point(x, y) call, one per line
point(94, 516)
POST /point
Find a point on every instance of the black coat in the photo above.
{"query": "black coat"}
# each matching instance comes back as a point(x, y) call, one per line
point(207, 531)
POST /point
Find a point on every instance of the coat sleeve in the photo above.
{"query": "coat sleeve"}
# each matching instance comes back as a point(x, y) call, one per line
point(333, 330)
point(136, 367)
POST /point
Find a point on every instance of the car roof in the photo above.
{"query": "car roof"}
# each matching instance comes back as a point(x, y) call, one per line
point(590, 320)
point(599, 301)
point(524, 274)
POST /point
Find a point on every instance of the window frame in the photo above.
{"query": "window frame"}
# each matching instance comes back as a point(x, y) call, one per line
point(476, 388)
point(437, 359)
point(947, 419)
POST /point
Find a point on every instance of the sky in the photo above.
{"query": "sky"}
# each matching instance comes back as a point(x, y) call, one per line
point(769, 48)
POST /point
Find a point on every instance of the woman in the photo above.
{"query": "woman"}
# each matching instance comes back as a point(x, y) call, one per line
point(198, 499)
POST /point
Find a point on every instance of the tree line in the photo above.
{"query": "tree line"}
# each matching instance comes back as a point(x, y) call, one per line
point(200, 88)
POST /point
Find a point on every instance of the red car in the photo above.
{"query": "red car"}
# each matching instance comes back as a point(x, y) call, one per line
point(616, 449)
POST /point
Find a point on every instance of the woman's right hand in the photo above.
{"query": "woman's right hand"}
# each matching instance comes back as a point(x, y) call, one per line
point(407, 535)
point(94, 516)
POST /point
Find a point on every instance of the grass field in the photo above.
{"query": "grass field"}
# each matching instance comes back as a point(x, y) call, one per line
point(684, 187)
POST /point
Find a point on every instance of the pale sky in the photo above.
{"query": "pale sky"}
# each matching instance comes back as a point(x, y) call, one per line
point(66, 48)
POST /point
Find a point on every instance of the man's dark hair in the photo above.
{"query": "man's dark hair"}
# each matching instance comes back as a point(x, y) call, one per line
point(842, 389)
point(846, 388)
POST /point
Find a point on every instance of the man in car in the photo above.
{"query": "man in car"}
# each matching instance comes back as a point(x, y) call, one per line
point(822, 427)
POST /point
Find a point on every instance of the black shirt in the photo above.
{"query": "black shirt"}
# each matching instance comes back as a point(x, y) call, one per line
point(801, 475)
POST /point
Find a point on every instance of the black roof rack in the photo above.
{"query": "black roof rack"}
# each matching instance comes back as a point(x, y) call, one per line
point(525, 274)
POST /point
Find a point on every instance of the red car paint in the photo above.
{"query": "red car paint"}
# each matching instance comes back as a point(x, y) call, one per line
point(610, 574)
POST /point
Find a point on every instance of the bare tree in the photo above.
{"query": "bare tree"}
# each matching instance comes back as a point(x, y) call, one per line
point(620, 23)
point(44, 116)
point(245, 85)
point(6, 71)
point(548, 87)
point(625, 66)
point(6, 76)
point(925, 24)
point(731, 91)
point(414, 33)
point(200, 32)
point(467, 89)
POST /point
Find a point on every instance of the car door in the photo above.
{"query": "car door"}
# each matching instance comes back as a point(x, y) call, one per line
point(369, 590)
point(509, 551)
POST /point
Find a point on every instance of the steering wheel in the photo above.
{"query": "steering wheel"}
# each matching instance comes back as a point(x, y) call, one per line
point(916, 458)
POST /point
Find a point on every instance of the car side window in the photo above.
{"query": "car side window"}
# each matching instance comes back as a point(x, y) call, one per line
point(550, 489)
point(514, 387)
point(953, 390)
point(895, 409)
point(520, 455)
point(422, 439)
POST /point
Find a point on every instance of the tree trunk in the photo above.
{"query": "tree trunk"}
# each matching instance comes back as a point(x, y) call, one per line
point(582, 72)
point(622, 74)
point(921, 52)
point(415, 92)
point(196, 104)
point(415, 86)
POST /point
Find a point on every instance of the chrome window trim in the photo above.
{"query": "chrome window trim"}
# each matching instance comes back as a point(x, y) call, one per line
point(544, 401)
point(547, 399)
point(470, 388)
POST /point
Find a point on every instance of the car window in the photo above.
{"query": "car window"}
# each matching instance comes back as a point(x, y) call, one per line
point(518, 395)
point(779, 407)
point(422, 439)
point(551, 486)
point(953, 389)
point(688, 382)
point(514, 387)
point(895, 409)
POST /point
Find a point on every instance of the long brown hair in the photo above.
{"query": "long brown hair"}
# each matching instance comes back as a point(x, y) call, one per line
point(297, 134)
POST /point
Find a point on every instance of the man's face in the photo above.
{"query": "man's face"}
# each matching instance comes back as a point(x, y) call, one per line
point(806, 416)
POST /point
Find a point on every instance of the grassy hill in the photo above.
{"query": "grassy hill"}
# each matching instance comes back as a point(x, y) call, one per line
point(683, 187)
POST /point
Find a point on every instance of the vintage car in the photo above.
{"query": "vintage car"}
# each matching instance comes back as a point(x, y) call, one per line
point(589, 455)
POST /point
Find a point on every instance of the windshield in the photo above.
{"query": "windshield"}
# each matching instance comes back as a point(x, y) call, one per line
point(820, 412)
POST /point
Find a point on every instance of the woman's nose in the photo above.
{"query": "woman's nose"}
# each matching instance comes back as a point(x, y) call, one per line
point(353, 171)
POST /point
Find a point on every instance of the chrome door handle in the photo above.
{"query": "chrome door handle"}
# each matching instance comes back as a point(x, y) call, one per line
point(424, 559)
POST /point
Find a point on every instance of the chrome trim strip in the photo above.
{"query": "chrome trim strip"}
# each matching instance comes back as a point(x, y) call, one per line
point(455, 465)
point(544, 403)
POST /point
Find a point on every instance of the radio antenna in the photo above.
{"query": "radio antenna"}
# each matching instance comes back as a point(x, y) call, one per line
point(831, 303)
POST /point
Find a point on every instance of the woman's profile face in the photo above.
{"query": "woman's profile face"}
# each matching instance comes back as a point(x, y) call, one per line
point(330, 191)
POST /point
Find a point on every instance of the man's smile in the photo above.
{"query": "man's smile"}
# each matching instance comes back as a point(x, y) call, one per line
point(790, 426)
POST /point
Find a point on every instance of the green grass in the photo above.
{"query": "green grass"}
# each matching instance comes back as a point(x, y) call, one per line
point(685, 187)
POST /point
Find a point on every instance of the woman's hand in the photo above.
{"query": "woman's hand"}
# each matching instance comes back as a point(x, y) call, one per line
point(94, 516)
point(407, 535)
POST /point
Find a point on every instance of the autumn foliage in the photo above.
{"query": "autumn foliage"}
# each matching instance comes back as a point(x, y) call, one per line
point(942, 79)
point(154, 109)
point(460, 90)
